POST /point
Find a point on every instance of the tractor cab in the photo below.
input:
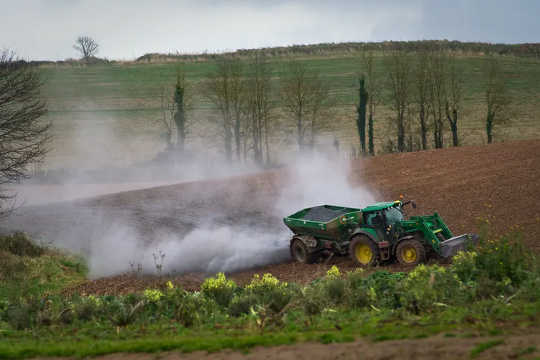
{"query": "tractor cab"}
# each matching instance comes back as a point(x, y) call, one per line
point(384, 216)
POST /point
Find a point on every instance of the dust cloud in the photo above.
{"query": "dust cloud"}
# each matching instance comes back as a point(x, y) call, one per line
point(178, 213)
point(258, 237)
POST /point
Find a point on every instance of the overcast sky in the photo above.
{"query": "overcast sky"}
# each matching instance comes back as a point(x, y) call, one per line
point(126, 29)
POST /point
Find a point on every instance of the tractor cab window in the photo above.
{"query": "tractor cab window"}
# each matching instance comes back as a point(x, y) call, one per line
point(374, 219)
point(393, 215)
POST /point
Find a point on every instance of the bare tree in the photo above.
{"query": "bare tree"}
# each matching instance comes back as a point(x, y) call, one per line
point(363, 97)
point(422, 84)
point(166, 119)
point(304, 97)
point(182, 102)
point(454, 97)
point(87, 46)
point(373, 89)
point(174, 108)
point(437, 94)
point(225, 90)
point(258, 107)
point(497, 99)
point(23, 135)
point(399, 69)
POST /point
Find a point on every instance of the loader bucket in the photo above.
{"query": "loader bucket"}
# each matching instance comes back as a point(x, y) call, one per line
point(451, 246)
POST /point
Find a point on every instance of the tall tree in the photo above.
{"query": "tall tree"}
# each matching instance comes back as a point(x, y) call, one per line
point(166, 119)
point(398, 65)
point(180, 113)
point(454, 97)
point(437, 94)
point(304, 97)
point(422, 86)
point(23, 134)
point(224, 89)
point(497, 99)
point(258, 107)
point(373, 89)
point(87, 46)
point(361, 112)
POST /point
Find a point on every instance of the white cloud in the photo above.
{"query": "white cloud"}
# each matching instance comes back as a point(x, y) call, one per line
point(126, 29)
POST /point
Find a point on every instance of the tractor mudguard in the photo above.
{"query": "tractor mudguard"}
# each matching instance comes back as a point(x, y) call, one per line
point(363, 232)
point(308, 240)
point(451, 246)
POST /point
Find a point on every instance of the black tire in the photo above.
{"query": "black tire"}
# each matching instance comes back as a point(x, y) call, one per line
point(300, 252)
point(410, 252)
point(363, 251)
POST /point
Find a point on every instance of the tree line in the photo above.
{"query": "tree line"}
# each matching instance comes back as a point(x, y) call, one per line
point(424, 90)
point(480, 48)
point(251, 106)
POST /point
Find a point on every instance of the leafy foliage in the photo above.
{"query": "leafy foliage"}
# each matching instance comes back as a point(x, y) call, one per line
point(219, 289)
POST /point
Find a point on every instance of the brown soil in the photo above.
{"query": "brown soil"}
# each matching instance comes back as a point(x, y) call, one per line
point(466, 186)
point(437, 347)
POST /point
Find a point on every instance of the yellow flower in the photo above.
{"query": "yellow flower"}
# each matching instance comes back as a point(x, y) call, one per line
point(170, 285)
point(152, 295)
point(333, 272)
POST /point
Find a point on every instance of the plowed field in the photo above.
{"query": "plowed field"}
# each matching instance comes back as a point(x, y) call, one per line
point(467, 186)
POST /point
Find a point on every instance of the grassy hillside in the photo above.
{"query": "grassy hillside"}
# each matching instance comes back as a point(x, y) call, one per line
point(110, 110)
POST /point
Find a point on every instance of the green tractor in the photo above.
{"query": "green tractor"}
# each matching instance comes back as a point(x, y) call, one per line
point(376, 233)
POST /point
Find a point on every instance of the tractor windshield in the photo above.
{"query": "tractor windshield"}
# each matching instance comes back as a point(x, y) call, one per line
point(393, 215)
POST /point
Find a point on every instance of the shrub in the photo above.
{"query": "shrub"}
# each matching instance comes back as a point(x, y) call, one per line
point(243, 303)
point(121, 313)
point(501, 259)
point(88, 307)
point(314, 299)
point(23, 314)
point(20, 244)
point(378, 289)
point(219, 289)
point(428, 287)
point(464, 265)
point(12, 267)
point(267, 291)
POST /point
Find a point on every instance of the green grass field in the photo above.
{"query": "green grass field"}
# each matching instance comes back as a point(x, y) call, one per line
point(117, 105)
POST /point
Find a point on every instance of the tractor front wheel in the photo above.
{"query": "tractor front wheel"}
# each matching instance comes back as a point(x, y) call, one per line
point(363, 251)
point(300, 252)
point(410, 252)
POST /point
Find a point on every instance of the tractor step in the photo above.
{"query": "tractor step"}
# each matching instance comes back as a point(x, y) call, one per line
point(451, 246)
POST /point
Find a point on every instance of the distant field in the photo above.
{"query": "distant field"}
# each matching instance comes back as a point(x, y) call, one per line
point(106, 115)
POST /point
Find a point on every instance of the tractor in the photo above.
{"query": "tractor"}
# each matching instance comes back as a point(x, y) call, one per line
point(375, 234)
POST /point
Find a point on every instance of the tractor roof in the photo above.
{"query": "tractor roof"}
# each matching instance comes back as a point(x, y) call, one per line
point(379, 206)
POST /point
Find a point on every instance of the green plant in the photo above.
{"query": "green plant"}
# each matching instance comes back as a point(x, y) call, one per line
point(121, 313)
point(219, 288)
point(20, 244)
point(429, 287)
point(268, 291)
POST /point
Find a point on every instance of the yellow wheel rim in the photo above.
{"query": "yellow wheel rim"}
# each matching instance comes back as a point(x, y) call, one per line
point(363, 253)
point(409, 254)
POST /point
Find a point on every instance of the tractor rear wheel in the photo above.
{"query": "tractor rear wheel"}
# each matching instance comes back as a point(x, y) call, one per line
point(363, 251)
point(300, 252)
point(410, 252)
